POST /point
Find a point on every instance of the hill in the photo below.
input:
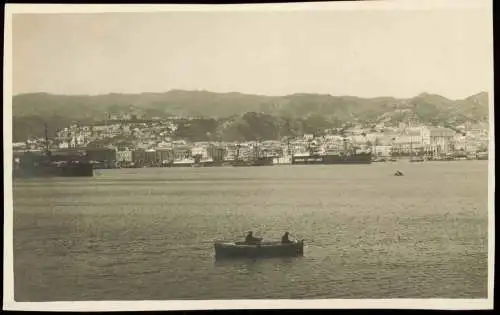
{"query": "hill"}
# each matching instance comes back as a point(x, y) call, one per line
point(305, 111)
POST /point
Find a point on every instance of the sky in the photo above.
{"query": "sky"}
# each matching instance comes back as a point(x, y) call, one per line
point(361, 53)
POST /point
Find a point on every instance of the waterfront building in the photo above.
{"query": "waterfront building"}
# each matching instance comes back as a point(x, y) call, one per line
point(63, 145)
point(358, 138)
point(124, 155)
point(150, 156)
point(138, 156)
point(299, 149)
point(216, 152)
point(382, 150)
point(409, 142)
point(18, 145)
point(286, 159)
point(245, 152)
point(164, 154)
point(437, 140)
point(333, 147)
point(230, 151)
point(200, 151)
point(181, 152)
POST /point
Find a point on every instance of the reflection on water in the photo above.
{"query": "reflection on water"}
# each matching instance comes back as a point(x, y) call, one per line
point(255, 264)
point(143, 234)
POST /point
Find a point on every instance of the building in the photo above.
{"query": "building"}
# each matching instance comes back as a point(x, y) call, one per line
point(245, 152)
point(63, 145)
point(358, 138)
point(19, 145)
point(230, 152)
point(282, 160)
point(181, 152)
point(164, 154)
point(150, 156)
point(382, 150)
point(124, 155)
point(477, 130)
point(206, 152)
point(200, 152)
point(384, 139)
point(437, 140)
point(216, 152)
point(100, 128)
point(410, 139)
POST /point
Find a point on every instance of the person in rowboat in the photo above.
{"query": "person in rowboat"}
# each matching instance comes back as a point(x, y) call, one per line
point(250, 239)
point(285, 239)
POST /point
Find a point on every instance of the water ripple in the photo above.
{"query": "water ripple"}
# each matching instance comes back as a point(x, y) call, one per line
point(147, 234)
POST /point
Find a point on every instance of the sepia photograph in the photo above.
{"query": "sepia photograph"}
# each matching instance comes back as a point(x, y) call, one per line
point(293, 155)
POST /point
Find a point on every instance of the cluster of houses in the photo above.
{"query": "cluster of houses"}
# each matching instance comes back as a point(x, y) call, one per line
point(151, 143)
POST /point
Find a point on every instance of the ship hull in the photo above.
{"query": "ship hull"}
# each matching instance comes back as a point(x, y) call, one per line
point(181, 164)
point(207, 163)
point(332, 159)
point(81, 170)
point(259, 162)
point(232, 250)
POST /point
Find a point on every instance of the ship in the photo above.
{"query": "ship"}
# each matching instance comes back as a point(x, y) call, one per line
point(345, 156)
point(261, 161)
point(417, 159)
point(254, 160)
point(186, 162)
point(378, 159)
point(199, 161)
point(341, 158)
point(31, 164)
point(482, 155)
point(44, 167)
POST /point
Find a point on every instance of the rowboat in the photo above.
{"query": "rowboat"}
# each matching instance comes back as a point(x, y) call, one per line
point(260, 250)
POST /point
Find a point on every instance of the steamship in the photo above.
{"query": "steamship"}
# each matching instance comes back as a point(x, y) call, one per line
point(46, 164)
point(254, 158)
point(347, 155)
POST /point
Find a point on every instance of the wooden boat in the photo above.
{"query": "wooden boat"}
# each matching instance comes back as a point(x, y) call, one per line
point(378, 159)
point(259, 250)
point(482, 155)
point(417, 159)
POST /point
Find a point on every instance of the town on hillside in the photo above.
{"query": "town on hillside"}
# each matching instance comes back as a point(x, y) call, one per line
point(124, 140)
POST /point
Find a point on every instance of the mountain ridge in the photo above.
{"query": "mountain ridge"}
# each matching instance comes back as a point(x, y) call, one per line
point(324, 110)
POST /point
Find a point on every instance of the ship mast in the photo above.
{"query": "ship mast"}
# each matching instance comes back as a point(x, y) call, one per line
point(46, 139)
point(237, 151)
point(411, 146)
point(257, 145)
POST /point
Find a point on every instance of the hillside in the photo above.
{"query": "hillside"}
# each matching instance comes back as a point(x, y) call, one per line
point(304, 111)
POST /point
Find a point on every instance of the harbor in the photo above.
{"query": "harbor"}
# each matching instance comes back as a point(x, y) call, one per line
point(138, 233)
point(428, 144)
point(282, 156)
